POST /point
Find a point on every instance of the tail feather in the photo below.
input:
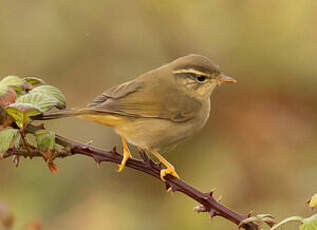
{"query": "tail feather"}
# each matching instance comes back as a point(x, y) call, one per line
point(58, 115)
point(108, 119)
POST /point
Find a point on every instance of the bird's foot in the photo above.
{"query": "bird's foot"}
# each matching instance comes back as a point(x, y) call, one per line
point(169, 167)
point(169, 170)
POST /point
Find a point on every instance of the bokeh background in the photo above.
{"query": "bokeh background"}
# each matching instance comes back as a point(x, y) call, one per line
point(258, 148)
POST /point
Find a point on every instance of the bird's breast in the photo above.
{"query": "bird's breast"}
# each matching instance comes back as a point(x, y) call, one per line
point(151, 133)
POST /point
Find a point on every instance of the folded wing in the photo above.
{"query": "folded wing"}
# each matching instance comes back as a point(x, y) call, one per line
point(134, 99)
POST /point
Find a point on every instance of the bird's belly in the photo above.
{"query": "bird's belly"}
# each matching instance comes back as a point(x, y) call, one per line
point(149, 133)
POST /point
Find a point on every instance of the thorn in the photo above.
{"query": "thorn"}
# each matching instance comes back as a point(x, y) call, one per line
point(211, 193)
point(248, 215)
point(170, 190)
point(200, 208)
point(16, 160)
point(68, 149)
point(88, 145)
point(97, 160)
point(114, 151)
point(212, 214)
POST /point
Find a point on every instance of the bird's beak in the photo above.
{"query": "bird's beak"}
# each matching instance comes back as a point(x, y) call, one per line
point(223, 78)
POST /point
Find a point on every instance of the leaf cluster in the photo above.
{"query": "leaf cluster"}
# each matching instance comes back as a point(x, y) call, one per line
point(20, 100)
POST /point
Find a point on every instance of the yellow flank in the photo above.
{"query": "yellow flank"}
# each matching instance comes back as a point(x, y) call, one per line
point(105, 119)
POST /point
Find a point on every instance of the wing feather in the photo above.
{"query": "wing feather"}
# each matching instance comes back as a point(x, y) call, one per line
point(134, 99)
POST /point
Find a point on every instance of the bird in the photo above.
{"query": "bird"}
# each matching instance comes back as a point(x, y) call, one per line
point(156, 109)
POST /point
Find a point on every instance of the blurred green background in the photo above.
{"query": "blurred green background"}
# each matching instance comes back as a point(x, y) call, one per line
point(258, 148)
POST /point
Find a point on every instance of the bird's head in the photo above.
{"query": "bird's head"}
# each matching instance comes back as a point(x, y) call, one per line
point(198, 75)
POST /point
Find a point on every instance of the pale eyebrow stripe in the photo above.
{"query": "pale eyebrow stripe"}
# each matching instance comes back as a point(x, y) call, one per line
point(179, 71)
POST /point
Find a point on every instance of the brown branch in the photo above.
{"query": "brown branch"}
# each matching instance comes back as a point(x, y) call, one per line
point(206, 200)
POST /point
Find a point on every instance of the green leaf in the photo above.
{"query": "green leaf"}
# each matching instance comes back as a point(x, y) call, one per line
point(8, 137)
point(41, 101)
point(12, 81)
point(34, 80)
point(21, 112)
point(17, 83)
point(45, 140)
point(51, 91)
point(309, 223)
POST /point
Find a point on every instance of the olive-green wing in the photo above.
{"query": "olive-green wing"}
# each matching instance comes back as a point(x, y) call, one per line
point(114, 93)
point(134, 99)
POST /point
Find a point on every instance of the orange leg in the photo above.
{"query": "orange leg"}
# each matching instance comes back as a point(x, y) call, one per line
point(126, 154)
point(169, 168)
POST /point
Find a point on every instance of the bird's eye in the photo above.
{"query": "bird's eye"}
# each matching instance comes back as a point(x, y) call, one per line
point(201, 78)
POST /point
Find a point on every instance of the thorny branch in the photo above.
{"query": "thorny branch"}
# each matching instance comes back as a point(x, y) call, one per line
point(207, 202)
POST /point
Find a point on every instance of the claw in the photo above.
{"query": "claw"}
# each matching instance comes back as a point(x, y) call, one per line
point(170, 171)
point(169, 168)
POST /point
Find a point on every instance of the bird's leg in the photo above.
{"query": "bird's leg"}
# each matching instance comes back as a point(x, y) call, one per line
point(126, 154)
point(169, 168)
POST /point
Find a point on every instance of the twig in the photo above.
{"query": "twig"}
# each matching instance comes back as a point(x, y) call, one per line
point(206, 200)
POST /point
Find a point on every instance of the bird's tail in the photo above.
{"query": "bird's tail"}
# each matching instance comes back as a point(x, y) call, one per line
point(105, 118)
point(59, 114)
